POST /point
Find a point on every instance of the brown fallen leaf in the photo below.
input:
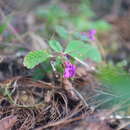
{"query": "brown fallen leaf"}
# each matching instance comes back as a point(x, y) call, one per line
point(7, 122)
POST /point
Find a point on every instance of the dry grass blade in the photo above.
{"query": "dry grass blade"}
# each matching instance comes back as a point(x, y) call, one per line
point(27, 82)
point(64, 121)
point(31, 83)
point(7, 123)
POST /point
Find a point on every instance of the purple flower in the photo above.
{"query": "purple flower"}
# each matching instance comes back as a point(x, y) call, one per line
point(70, 70)
point(91, 34)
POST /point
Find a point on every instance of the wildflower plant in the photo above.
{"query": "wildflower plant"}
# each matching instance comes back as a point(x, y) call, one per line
point(115, 80)
point(76, 50)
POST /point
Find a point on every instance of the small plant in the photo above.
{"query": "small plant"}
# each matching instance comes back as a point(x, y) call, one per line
point(76, 50)
point(114, 78)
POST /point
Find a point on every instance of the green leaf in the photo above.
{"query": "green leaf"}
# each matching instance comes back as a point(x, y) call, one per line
point(80, 23)
point(62, 32)
point(101, 25)
point(55, 45)
point(82, 51)
point(34, 58)
point(2, 28)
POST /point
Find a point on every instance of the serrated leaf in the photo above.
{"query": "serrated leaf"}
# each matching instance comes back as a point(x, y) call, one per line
point(34, 58)
point(62, 32)
point(82, 51)
point(55, 45)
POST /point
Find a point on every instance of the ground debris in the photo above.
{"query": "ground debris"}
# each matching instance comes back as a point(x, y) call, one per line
point(39, 104)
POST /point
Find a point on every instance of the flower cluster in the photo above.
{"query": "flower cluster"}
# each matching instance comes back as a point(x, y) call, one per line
point(70, 70)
